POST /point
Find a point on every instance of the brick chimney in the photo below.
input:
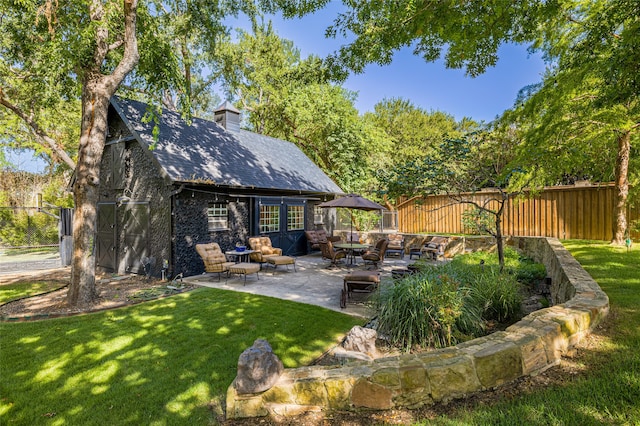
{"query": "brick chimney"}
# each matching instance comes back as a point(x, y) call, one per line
point(227, 116)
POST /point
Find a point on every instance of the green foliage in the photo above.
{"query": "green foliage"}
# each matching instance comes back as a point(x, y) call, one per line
point(426, 311)
point(467, 35)
point(443, 304)
point(478, 222)
point(27, 228)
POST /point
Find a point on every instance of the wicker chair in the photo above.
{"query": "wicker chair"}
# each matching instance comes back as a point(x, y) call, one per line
point(214, 259)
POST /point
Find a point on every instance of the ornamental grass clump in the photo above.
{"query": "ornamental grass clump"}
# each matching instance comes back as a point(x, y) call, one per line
point(442, 305)
point(423, 310)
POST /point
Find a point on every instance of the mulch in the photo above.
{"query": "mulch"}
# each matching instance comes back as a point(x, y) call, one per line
point(114, 291)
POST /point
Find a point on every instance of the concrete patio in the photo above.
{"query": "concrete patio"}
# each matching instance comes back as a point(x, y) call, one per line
point(313, 283)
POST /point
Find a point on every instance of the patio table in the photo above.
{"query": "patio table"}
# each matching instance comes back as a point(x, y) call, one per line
point(351, 250)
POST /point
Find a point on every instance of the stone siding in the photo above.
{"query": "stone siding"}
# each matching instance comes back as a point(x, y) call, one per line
point(527, 347)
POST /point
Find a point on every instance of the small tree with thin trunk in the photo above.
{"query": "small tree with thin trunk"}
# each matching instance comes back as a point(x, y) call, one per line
point(460, 169)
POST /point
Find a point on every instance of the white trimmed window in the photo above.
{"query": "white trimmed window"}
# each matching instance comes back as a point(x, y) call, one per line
point(318, 217)
point(269, 218)
point(295, 218)
point(218, 216)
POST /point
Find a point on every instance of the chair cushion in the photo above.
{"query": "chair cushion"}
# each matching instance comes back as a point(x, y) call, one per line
point(280, 260)
point(363, 276)
point(244, 268)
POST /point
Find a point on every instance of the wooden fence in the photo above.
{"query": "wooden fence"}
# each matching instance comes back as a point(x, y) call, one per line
point(565, 212)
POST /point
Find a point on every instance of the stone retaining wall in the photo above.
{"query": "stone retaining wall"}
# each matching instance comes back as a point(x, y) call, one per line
point(527, 347)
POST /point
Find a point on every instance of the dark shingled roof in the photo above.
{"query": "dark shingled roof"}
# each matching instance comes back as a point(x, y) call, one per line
point(206, 153)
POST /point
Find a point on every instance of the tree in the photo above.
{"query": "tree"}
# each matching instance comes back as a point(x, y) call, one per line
point(410, 133)
point(459, 168)
point(95, 45)
point(588, 105)
point(292, 98)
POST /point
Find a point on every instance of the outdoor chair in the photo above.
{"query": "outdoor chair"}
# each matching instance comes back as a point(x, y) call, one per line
point(214, 259)
point(330, 253)
point(376, 255)
point(353, 237)
point(315, 237)
point(263, 249)
point(396, 245)
point(436, 247)
point(359, 282)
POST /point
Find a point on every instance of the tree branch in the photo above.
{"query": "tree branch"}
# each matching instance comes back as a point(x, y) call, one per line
point(40, 134)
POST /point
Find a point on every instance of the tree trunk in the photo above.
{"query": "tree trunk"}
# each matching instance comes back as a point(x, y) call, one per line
point(95, 106)
point(97, 89)
point(622, 188)
point(499, 242)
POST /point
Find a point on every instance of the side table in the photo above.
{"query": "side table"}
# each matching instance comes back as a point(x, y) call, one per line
point(240, 256)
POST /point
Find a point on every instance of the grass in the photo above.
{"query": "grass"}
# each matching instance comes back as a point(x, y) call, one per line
point(607, 389)
point(9, 292)
point(164, 362)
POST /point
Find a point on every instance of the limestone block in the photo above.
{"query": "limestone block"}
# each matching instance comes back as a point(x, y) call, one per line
point(310, 392)
point(371, 395)
point(241, 406)
point(338, 392)
point(534, 354)
point(498, 364)
point(555, 342)
point(452, 377)
point(387, 377)
point(413, 399)
point(413, 376)
point(290, 410)
point(572, 321)
point(282, 393)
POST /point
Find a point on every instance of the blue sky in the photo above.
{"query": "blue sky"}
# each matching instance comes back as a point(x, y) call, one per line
point(430, 86)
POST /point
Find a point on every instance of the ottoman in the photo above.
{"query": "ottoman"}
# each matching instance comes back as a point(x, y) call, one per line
point(281, 260)
point(245, 269)
point(359, 282)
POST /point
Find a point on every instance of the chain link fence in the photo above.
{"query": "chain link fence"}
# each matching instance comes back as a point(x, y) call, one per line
point(29, 227)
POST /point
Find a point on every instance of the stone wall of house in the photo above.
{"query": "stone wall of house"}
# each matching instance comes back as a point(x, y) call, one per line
point(190, 227)
point(527, 347)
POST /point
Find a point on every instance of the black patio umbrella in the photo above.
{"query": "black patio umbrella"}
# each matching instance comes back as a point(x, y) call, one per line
point(352, 201)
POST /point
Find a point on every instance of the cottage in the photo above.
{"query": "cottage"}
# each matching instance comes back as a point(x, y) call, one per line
point(169, 185)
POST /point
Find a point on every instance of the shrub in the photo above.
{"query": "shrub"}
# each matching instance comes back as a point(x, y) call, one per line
point(444, 304)
point(498, 295)
point(428, 311)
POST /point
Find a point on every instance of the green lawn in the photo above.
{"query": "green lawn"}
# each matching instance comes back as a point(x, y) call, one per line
point(608, 390)
point(9, 292)
point(162, 362)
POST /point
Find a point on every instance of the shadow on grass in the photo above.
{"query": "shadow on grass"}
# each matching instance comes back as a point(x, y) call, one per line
point(163, 362)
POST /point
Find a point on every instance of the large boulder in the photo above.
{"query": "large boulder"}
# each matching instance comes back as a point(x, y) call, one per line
point(361, 339)
point(258, 368)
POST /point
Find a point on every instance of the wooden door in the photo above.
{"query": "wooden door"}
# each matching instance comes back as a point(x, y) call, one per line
point(106, 249)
